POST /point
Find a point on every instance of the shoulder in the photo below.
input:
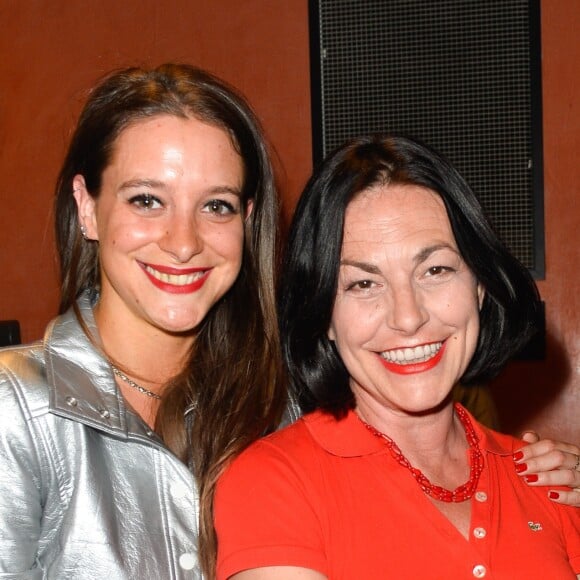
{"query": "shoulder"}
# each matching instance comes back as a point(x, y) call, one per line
point(24, 408)
point(303, 461)
point(500, 448)
point(292, 444)
point(23, 377)
point(275, 484)
point(310, 436)
point(285, 460)
point(491, 441)
point(270, 501)
point(307, 447)
point(21, 356)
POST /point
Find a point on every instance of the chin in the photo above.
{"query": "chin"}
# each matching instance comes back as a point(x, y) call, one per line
point(426, 407)
point(178, 324)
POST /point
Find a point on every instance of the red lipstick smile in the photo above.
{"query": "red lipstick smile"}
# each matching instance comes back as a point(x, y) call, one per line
point(176, 280)
point(412, 368)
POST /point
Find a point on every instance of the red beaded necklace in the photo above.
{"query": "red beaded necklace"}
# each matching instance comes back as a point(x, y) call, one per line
point(463, 492)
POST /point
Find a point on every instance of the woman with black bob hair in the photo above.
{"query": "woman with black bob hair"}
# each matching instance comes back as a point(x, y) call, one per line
point(394, 290)
point(310, 273)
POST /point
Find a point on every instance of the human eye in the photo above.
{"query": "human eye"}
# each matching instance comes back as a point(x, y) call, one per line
point(438, 274)
point(360, 286)
point(220, 207)
point(439, 270)
point(145, 201)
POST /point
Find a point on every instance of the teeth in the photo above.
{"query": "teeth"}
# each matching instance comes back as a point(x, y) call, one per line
point(412, 355)
point(174, 279)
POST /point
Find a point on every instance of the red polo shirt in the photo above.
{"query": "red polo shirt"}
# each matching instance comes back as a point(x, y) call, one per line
point(327, 495)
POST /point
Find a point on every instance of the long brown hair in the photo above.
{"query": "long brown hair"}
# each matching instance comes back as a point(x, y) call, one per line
point(230, 392)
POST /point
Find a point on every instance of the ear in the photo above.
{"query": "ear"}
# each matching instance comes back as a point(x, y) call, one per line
point(86, 206)
point(248, 209)
point(480, 294)
point(330, 333)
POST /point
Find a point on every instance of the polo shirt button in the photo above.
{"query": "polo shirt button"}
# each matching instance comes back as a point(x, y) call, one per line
point(481, 496)
point(479, 571)
point(479, 533)
point(187, 561)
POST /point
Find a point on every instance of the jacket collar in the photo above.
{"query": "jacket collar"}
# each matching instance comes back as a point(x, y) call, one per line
point(80, 379)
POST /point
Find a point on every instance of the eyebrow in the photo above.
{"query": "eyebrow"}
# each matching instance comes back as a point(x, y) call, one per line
point(426, 252)
point(134, 183)
point(156, 184)
point(365, 266)
point(418, 259)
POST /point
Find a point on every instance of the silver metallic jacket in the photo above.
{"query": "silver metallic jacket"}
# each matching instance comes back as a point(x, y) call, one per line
point(86, 489)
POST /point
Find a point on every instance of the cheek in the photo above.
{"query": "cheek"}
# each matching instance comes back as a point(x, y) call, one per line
point(464, 315)
point(457, 304)
point(129, 235)
point(355, 322)
point(228, 242)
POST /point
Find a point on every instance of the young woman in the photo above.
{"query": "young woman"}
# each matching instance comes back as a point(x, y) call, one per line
point(395, 288)
point(164, 360)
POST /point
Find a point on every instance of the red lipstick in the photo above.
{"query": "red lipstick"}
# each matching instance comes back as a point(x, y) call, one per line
point(176, 288)
point(410, 369)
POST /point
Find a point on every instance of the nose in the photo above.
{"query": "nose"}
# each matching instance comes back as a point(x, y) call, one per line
point(406, 311)
point(181, 239)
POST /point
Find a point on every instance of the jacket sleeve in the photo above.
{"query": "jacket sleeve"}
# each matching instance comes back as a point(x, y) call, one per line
point(20, 482)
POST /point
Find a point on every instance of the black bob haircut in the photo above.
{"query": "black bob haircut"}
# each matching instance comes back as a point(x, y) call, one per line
point(309, 281)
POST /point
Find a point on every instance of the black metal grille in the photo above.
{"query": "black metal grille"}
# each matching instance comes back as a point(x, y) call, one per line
point(461, 75)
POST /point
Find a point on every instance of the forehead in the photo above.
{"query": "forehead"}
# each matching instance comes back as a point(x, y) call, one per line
point(393, 214)
point(184, 143)
point(166, 125)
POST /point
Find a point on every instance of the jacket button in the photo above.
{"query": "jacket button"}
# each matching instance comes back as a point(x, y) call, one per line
point(187, 561)
point(71, 401)
point(104, 413)
point(179, 491)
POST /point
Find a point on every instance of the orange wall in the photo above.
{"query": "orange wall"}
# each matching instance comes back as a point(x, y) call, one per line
point(546, 394)
point(52, 52)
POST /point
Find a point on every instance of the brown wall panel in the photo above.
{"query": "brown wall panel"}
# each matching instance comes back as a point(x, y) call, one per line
point(546, 394)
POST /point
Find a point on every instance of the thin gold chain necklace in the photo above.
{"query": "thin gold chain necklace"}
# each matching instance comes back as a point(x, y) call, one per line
point(133, 384)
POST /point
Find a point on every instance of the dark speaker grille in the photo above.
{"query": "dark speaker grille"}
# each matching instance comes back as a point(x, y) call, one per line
point(458, 75)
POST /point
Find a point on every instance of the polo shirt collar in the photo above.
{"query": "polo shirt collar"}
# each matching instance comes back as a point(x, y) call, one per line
point(348, 437)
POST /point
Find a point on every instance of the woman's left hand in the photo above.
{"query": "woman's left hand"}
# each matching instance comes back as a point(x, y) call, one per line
point(546, 462)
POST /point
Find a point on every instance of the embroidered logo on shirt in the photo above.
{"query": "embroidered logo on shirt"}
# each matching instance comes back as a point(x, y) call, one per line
point(535, 527)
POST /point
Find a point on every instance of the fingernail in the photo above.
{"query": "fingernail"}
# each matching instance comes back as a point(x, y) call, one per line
point(553, 495)
point(521, 467)
point(531, 478)
point(518, 455)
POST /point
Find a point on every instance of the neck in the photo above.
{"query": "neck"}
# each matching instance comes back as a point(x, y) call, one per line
point(427, 439)
point(451, 475)
point(148, 355)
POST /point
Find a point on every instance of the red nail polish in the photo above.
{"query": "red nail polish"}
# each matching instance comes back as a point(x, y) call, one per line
point(521, 467)
point(531, 478)
point(518, 455)
point(553, 495)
